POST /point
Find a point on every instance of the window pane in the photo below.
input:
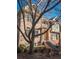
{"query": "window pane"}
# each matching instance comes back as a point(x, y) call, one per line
point(55, 27)
point(36, 32)
point(54, 36)
point(28, 17)
point(27, 30)
point(57, 36)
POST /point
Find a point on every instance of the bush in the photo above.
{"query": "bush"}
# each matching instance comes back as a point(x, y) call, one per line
point(21, 48)
point(18, 50)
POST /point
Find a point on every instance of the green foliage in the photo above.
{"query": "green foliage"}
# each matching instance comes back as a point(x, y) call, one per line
point(21, 48)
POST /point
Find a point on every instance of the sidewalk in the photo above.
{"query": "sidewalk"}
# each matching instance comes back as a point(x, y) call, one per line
point(36, 56)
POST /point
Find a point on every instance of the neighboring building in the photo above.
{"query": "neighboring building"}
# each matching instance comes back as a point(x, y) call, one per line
point(52, 34)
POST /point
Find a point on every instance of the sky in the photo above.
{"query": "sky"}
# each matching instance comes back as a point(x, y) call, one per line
point(52, 13)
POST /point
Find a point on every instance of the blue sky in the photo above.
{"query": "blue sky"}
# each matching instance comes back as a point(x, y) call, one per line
point(51, 13)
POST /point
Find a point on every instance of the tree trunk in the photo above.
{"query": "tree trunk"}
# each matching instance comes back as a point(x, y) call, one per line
point(31, 47)
point(32, 41)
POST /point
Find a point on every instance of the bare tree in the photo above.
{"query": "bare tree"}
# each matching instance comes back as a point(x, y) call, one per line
point(43, 6)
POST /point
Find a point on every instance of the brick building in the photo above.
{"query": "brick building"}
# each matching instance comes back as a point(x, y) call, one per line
point(52, 34)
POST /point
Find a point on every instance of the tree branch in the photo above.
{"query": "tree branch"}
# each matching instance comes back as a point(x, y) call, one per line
point(30, 7)
point(41, 14)
point(48, 27)
point(45, 11)
point(53, 6)
point(23, 15)
point(23, 34)
point(38, 19)
point(43, 32)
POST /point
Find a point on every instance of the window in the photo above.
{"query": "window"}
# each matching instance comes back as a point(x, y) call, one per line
point(55, 27)
point(57, 36)
point(27, 30)
point(28, 17)
point(36, 32)
point(54, 36)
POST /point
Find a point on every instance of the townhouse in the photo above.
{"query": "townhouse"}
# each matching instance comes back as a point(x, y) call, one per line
point(52, 34)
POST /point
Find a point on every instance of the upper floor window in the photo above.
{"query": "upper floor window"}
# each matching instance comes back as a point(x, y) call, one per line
point(55, 28)
point(27, 30)
point(36, 32)
point(28, 17)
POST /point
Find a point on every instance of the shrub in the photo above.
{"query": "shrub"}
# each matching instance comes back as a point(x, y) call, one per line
point(21, 48)
point(18, 50)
